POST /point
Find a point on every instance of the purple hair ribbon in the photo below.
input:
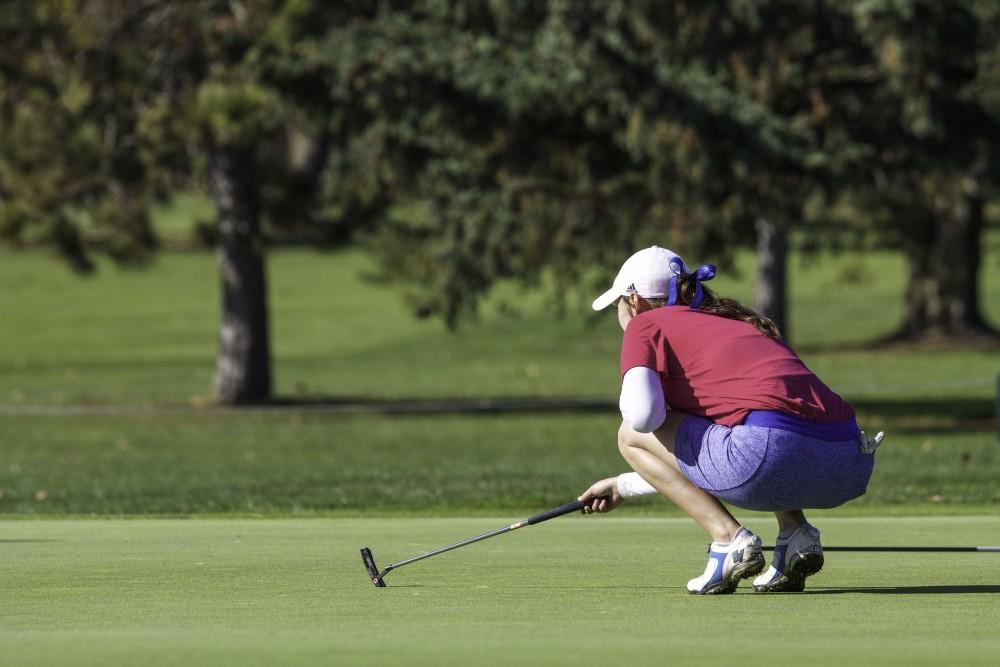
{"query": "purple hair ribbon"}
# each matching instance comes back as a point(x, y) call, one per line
point(704, 272)
point(678, 268)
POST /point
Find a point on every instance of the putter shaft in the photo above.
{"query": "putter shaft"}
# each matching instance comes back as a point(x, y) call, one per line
point(471, 540)
point(574, 506)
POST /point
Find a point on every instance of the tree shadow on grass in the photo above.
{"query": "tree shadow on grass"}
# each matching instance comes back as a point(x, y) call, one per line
point(339, 405)
point(930, 415)
point(903, 414)
point(908, 590)
point(895, 342)
point(444, 405)
point(870, 590)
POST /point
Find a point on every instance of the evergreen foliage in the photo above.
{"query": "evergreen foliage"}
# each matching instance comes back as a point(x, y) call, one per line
point(69, 172)
point(514, 137)
point(474, 140)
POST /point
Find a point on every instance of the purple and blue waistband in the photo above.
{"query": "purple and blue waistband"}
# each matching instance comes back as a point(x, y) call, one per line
point(829, 432)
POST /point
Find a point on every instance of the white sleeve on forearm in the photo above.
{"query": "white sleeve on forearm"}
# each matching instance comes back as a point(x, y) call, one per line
point(631, 484)
point(641, 402)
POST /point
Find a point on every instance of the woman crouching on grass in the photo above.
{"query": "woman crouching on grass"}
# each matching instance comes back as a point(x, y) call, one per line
point(748, 424)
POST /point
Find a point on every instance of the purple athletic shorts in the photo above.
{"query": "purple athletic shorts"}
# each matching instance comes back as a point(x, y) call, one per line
point(762, 465)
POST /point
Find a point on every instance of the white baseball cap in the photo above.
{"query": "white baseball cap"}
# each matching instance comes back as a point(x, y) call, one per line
point(646, 273)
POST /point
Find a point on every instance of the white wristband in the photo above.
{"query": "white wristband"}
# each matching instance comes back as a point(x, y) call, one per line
point(631, 484)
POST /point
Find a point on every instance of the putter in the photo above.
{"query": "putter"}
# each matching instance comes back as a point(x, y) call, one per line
point(378, 578)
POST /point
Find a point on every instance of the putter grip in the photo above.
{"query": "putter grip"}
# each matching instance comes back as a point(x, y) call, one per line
point(568, 508)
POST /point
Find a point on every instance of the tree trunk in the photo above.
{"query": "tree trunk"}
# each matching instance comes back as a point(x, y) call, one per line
point(942, 293)
point(243, 368)
point(771, 298)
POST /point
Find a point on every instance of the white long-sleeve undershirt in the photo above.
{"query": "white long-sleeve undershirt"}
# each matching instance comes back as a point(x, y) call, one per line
point(644, 407)
point(641, 402)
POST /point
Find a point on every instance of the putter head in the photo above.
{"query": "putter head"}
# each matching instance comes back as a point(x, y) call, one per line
point(369, 561)
point(869, 445)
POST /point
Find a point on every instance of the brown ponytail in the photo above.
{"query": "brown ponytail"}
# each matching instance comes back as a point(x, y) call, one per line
point(728, 308)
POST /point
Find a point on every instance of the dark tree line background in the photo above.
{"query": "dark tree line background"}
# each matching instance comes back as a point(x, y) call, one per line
point(474, 141)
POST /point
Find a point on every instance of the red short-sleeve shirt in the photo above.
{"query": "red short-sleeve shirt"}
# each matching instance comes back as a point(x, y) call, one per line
point(723, 369)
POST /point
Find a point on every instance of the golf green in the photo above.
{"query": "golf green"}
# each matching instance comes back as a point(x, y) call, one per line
point(599, 590)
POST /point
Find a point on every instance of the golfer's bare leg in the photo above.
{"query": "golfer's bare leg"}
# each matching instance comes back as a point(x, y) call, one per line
point(789, 520)
point(652, 456)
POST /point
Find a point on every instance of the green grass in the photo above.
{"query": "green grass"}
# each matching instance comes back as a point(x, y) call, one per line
point(606, 590)
point(290, 589)
point(128, 336)
point(432, 465)
point(176, 220)
point(147, 338)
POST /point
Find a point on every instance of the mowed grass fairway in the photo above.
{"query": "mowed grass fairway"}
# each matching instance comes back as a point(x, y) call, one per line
point(149, 336)
point(141, 525)
point(600, 590)
point(451, 465)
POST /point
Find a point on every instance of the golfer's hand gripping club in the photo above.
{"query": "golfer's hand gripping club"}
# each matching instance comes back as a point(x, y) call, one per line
point(602, 496)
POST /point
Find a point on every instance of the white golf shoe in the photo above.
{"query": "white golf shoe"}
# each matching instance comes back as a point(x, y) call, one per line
point(727, 564)
point(796, 557)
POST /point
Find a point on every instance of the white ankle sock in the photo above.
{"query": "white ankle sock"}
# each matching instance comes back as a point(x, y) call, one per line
point(742, 532)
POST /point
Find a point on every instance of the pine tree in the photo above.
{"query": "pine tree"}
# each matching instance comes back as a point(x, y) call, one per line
point(934, 142)
point(108, 106)
point(480, 140)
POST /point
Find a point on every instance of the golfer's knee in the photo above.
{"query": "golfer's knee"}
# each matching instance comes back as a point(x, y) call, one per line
point(628, 439)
